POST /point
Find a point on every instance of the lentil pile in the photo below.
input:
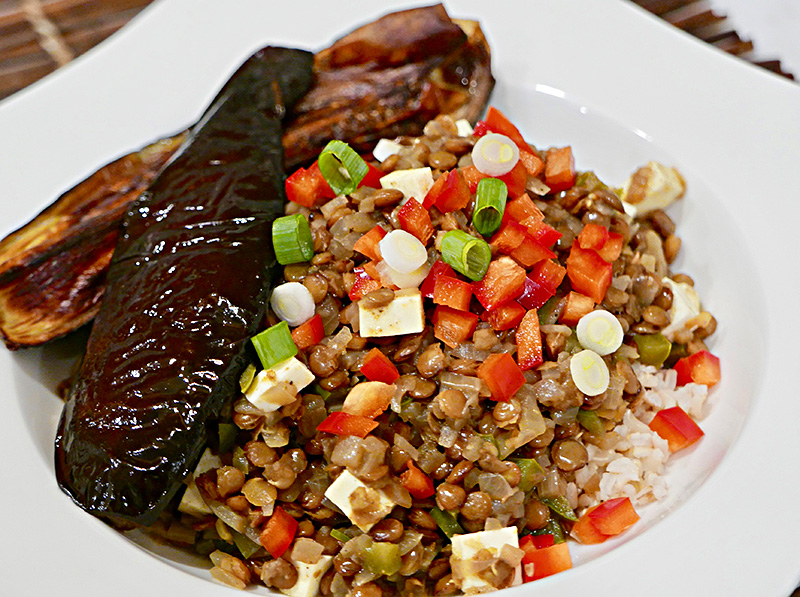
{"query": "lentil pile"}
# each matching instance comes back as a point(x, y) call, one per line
point(463, 455)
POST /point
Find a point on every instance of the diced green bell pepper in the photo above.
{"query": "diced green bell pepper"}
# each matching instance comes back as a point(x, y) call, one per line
point(653, 348)
point(382, 557)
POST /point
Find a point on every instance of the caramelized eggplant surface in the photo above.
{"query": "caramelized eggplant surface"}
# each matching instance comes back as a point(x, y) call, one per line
point(186, 288)
point(385, 79)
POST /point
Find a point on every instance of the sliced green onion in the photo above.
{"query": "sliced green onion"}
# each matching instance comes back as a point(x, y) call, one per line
point(447, 522)
point(342, 167)
point(274, 345)
point(247, 377)
point(402, 251)
point(466, 254)
point(291, 239)
point(340, 535)
point(292, 302)
point(490, 203)
point(495, 154)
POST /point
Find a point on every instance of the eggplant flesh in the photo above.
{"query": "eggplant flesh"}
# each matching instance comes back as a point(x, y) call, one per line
point(186, 289)
point(385, 79)
point(53, 277)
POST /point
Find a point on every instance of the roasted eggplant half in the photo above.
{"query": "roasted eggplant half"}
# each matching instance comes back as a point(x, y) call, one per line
point(186, 288)
point(385, 79)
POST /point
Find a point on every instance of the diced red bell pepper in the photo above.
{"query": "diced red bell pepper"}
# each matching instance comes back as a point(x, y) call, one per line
point(378, 367)
point(497, 122)
point(309, 333)
point(415, 220)
point(613, 247)
point(542, 283)
point(521, 209)
point(504, 281)
point(278, 533)
point(509, 237)
point(576, 306)
point(454, 194)
point(502, 374)
point(559, 169)
point(546, 561)
point(418, 483)
point(532, 162)
point(549, 274)
point(452, 326)
point(589, 273)
point(542, 233)
point(701, 367)
point(675, 426)
point(593, 236)
point(438, 268)
point(341, 423)
point(516, 179)
point(307, 187)
point(583, 531)
point(542, 541)
point(530, 252)
point(529, 341)
point(371, 269)
point(506, 317)
point(613, 516)
point(534, 295)
point(472, 176)
point(434, 191)
point(452, 292)
point(364, 284)
point(373, 177)
point(367, 245)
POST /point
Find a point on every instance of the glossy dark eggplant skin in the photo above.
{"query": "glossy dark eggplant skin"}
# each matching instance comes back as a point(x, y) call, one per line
point(187, 288)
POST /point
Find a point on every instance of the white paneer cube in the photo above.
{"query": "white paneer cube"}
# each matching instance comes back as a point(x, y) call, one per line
point(685, 306)
point(308, 577)
point(653, 186)
point(466, 546)
point(415, 182)
point(342, 489)
point(384, 148)
point(291, 371)
point(403, 315)
point(192, 502)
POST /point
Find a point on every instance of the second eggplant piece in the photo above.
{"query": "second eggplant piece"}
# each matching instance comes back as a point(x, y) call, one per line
point(385, 79)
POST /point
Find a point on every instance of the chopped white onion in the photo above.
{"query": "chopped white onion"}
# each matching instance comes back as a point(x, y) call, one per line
point(402, 251)
point(293, 303)
point(495, 154)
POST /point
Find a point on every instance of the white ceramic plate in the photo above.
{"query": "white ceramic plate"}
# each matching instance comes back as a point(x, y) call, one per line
point(603, 76)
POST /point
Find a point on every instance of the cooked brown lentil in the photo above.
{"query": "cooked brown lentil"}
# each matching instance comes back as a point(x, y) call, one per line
point(449, 424)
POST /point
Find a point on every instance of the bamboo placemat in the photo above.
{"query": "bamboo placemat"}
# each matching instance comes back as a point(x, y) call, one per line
point(39, 36)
